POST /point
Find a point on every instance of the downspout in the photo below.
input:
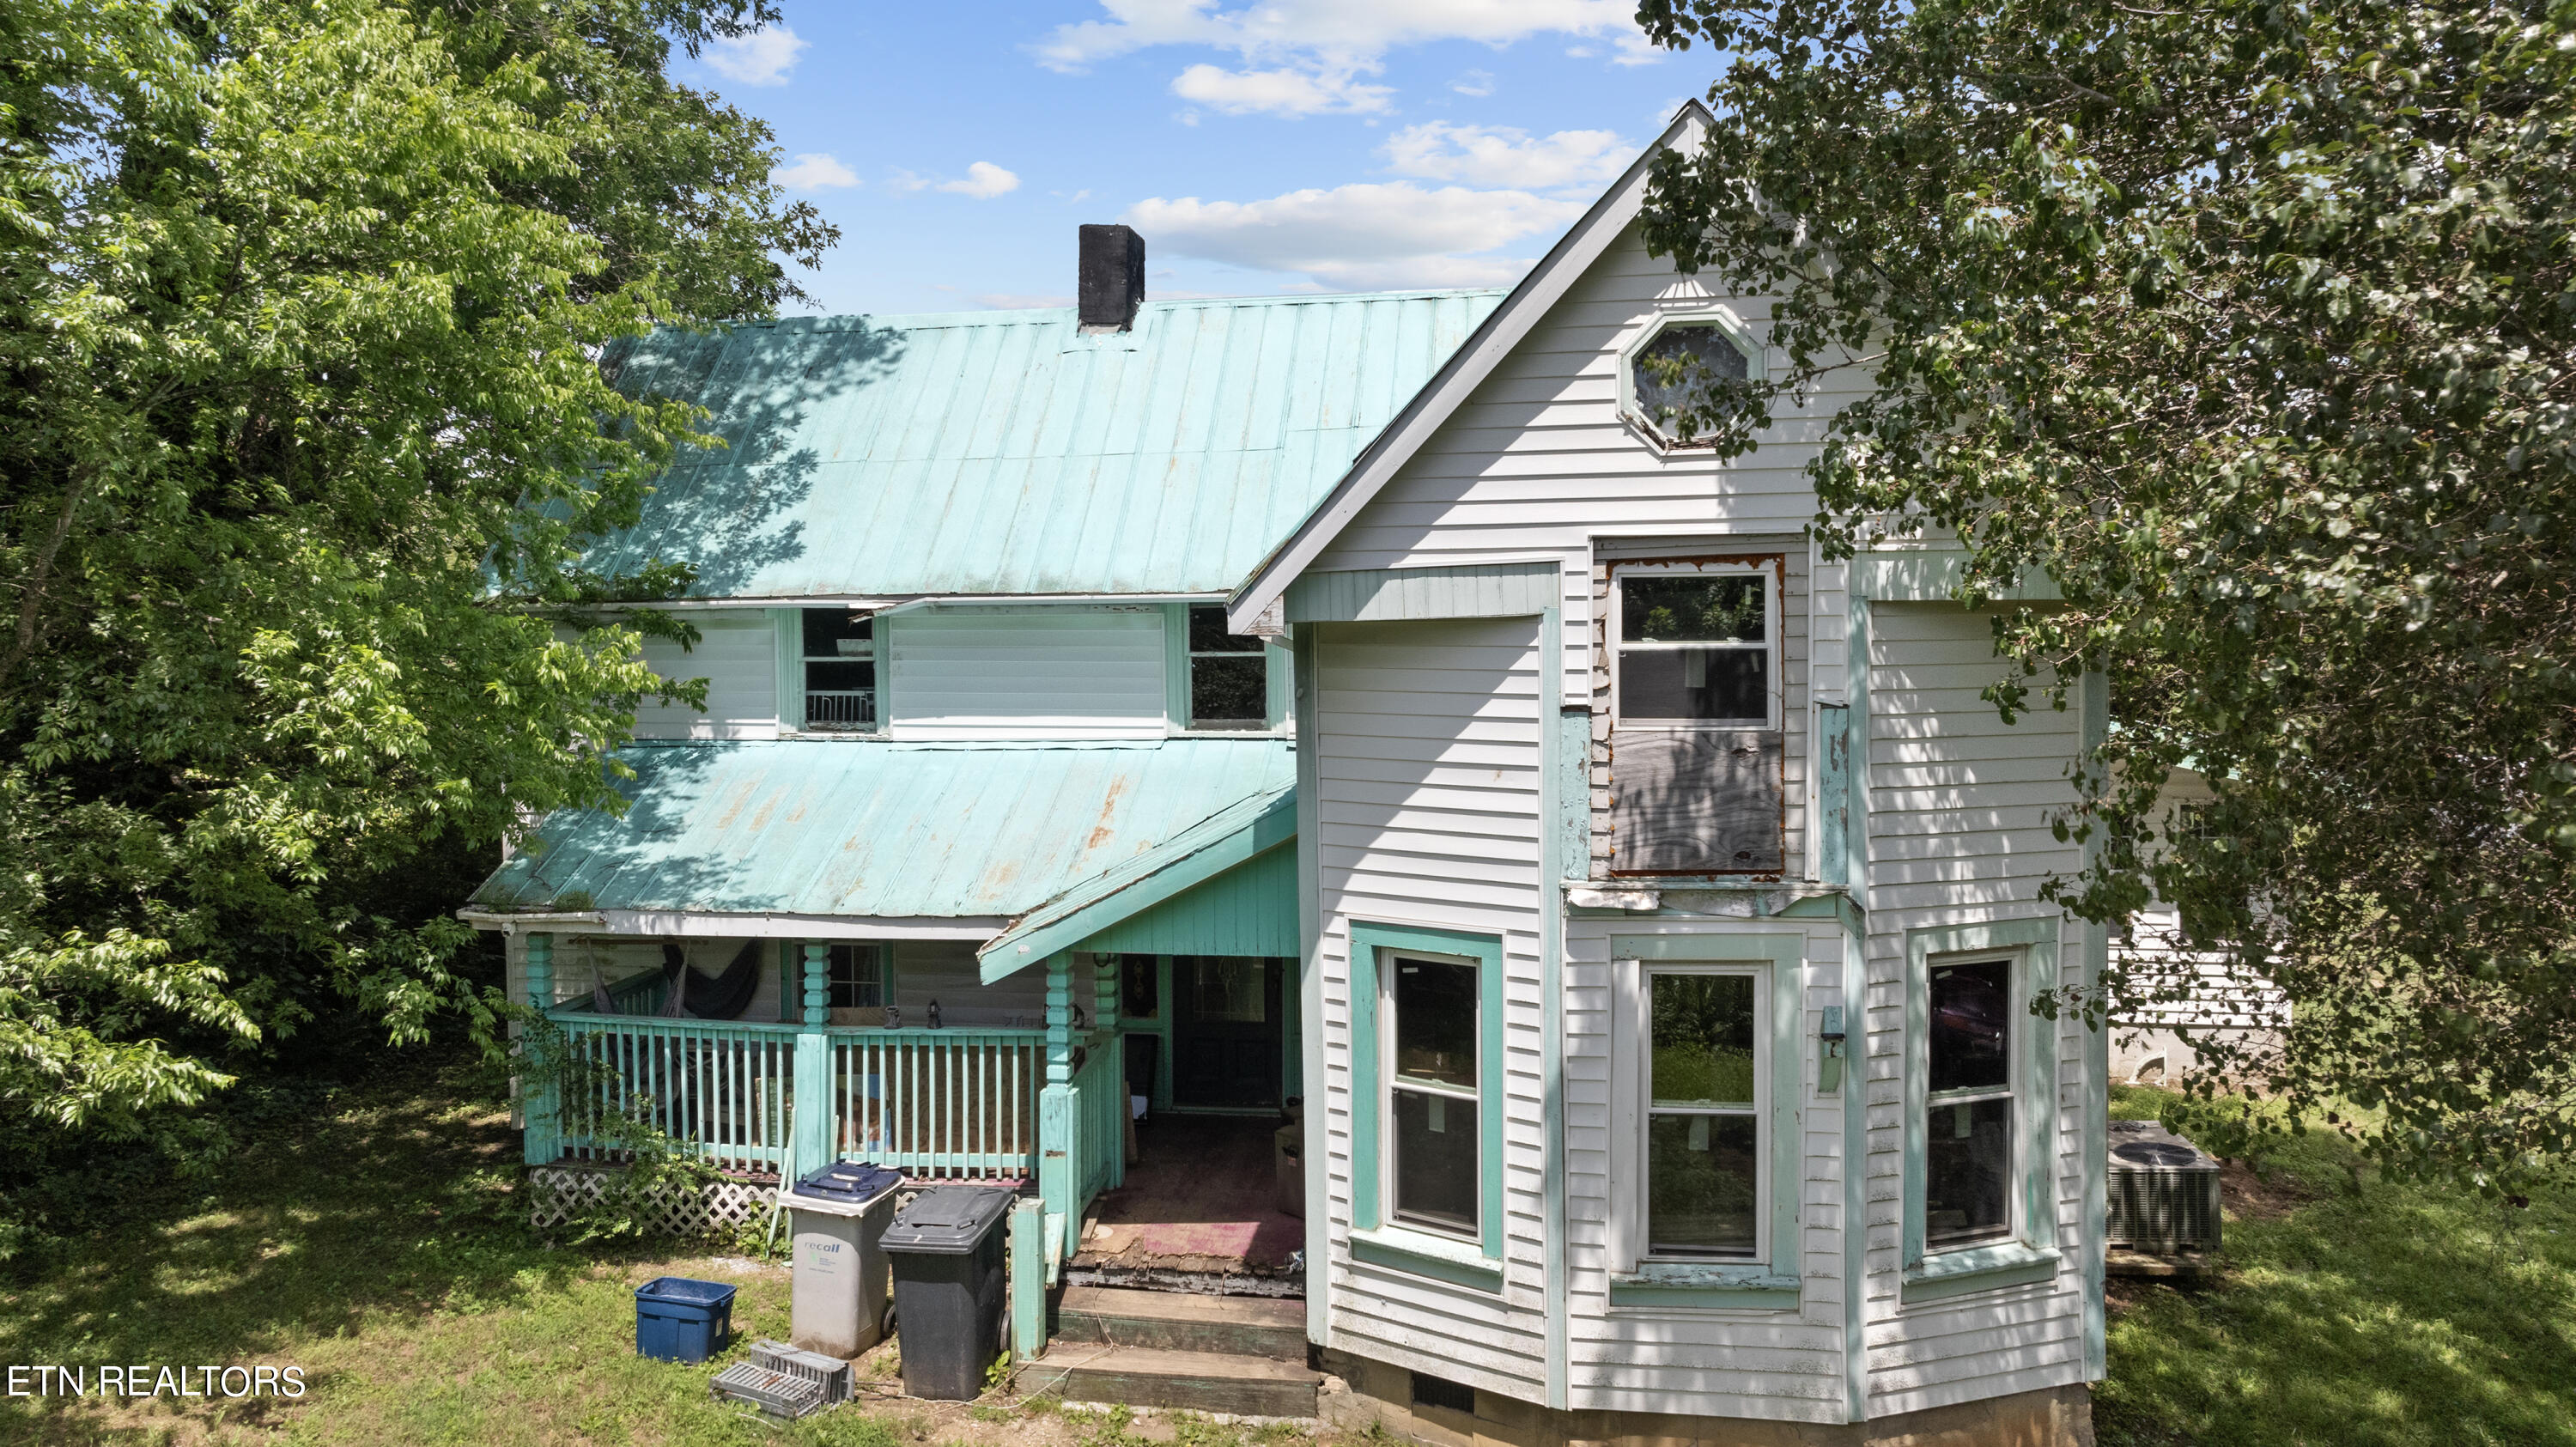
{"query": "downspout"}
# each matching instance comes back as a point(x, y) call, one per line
point(1555, 801)
point(1856, 690)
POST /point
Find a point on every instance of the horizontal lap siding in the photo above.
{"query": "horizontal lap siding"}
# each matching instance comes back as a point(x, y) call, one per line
point(1959, 811)
point(1426, 739)
point(1781, 1365)
point(737, 654)
point(1056, 672)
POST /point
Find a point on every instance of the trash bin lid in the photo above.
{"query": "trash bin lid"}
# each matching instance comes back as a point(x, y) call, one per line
point(847, 1183)
point(683, 1291)
point(948, 1220)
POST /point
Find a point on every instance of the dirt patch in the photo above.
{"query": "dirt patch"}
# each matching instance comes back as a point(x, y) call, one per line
point(2248, 1196)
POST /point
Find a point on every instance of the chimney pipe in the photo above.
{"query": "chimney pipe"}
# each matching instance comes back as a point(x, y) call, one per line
point(1112, 278)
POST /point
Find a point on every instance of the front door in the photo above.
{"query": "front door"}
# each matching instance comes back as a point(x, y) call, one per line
point(1225, 1033)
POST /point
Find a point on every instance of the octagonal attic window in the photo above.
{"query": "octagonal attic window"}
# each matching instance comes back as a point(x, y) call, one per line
point(1677, 366)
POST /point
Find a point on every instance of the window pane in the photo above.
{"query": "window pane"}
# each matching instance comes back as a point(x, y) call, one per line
point(1208, 635)
point(835, 677)
point(1690, 610)
point(1702, 1184)
point(827, 628)
point(1233, 689)
point(1435, 1159)
point(1967, 1167)
point(1677, 366)
point(1971, 1037)
point(1435, 1021)
point(853, 983)
point(1230, 989)
point(1694, 683)
point(1703, 1033)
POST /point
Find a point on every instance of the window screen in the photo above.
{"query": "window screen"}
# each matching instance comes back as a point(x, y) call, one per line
point(1432, 1092)
point(1229, 676)
point(1968, 1130)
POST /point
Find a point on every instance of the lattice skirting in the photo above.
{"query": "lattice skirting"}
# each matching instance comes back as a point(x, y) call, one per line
point(718, 1208)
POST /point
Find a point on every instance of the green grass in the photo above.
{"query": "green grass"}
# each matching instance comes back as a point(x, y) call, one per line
point(2384, 1316)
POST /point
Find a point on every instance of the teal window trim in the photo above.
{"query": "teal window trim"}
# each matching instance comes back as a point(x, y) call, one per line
point(1771, 1281)
point(1460, 1263)
point(1281, 680)
point(1176, 667)
point(788, 628)
point(1368, 1103)
point(791, 973)
point(2030, 1254)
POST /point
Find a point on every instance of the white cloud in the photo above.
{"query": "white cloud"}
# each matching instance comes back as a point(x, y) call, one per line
point(1349, 33)
point(1284, 92)
point(983, 181)
point(1006, 301)
point(1475, 83)
point(761, 58)
point(815, 171)
point(1359, 236)
point(1506, 156)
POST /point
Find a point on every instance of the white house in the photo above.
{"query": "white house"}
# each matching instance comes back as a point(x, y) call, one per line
point(1363, 700)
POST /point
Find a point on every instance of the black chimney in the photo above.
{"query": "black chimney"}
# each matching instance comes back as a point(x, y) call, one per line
point(1112, 280)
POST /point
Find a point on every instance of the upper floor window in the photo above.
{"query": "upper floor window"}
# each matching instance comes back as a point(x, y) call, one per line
point(840, 664)
point(1229, 674)
point(1698, 645)
point(1674, 368)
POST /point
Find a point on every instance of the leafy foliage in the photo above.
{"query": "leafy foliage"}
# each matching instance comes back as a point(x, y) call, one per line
point(303, 439)
point(2247, 323)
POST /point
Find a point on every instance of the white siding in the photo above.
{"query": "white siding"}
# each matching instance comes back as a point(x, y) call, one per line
point(1427, 757)
point(1057, 673)
point(737, 654)
point(1959, 811)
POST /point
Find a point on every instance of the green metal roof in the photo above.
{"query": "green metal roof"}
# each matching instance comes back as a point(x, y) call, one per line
point(882, 830)
point(1006, 453)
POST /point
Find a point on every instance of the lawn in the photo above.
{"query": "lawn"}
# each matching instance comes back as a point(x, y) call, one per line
point(375, 1247)
point(2383, 1316)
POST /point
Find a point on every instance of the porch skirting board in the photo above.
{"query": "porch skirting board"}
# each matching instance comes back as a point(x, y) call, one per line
point(555, 1192)
point(1359, 1394)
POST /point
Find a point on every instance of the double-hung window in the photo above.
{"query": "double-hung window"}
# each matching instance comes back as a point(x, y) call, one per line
point(1433, 1091)
point(839, 661)
point(1707, 1093)
point(1229, 681)
point(1969, 1131)
point(1698, 646)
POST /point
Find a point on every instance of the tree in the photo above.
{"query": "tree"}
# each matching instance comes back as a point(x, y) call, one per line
point(2248, 323)
point(304, 436)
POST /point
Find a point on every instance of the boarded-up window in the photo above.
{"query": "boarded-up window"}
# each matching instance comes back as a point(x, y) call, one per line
point(1696, 750)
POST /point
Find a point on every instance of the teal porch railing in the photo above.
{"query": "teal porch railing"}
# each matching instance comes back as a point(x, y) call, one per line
point(932, 1103)
point(1101, 1086)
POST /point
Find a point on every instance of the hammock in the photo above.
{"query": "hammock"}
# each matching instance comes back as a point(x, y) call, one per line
point(685, 992)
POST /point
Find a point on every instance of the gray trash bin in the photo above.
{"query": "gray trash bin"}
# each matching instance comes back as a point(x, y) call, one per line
point(839, 1216)
point(946, 1249)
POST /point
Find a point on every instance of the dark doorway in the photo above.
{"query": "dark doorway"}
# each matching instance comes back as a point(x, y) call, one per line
point(1225, 1033)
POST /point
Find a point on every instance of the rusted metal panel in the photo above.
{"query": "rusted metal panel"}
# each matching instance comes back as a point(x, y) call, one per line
point(1003, 452)
point(880, 829)
point(1696, 802)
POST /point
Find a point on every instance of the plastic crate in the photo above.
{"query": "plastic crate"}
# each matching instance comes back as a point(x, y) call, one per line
point(830, 1373)
point(780, 1394)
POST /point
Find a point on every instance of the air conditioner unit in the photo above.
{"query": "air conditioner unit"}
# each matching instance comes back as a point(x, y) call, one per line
point(2163, 1189)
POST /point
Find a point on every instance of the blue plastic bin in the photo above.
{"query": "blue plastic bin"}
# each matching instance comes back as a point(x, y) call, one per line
point(679, 1320)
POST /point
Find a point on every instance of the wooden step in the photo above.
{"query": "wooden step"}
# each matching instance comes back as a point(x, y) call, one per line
point(1253, 1326)
point(1149, 1377)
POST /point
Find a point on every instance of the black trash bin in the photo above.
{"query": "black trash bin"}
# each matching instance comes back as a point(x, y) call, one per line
point(949, 1287)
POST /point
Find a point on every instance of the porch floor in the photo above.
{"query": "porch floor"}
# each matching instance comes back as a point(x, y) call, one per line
point(1198, 1202)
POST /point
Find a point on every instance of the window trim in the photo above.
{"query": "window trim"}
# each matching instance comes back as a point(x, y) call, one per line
point(791, 659)
point(791, 976)
point(1770, 1279)
point(2028, 1251)
point(1643, 1003)
point(1278, 680)
point(1775, 689)
point(1370, 944)
point(1725, 320)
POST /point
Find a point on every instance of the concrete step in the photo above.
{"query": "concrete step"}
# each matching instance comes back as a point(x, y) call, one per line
point(1194, 1381)
point(1253, 1326)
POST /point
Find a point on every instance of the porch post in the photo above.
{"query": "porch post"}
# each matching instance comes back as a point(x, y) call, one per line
point(1105, 972)
point(817, 1128)
point(542, 1139)
point(1059, 1123)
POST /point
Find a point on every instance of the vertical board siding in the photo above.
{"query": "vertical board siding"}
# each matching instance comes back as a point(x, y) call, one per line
point(1959, 811)
point(1427, 789)
point(737, 654)
point(1055, 672)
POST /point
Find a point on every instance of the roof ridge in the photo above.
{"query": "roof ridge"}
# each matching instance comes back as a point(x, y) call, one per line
point(826, 321)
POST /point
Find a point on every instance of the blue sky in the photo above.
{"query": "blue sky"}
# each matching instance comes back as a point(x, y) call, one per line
point(1288, 145)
